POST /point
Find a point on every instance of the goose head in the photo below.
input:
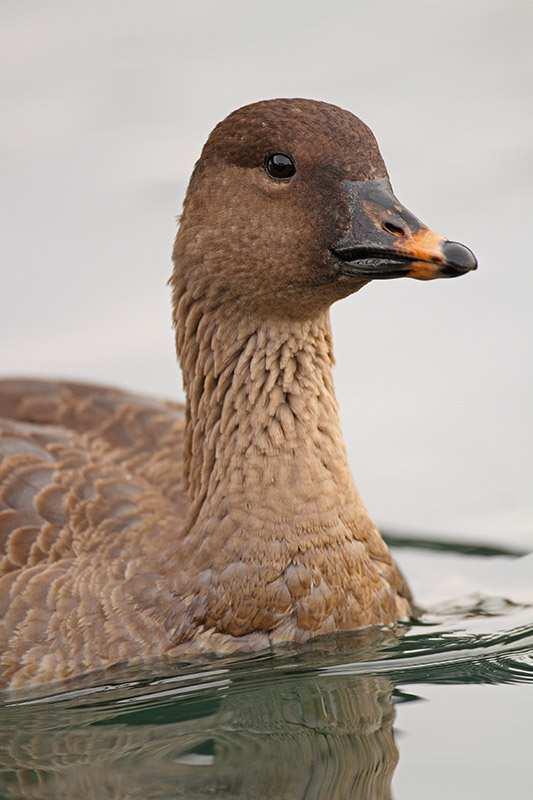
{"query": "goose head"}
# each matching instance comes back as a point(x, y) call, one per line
point(290, 208)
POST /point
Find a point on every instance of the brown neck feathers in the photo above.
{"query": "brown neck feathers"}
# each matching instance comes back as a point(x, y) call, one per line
point(262, 419)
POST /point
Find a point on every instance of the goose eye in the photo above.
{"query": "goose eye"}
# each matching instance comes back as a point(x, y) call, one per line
point(280, 166)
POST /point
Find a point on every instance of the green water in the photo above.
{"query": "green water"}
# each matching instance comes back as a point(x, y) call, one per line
point(440, 709)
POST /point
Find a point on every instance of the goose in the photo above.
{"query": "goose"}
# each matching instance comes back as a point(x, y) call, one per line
point(133, 528)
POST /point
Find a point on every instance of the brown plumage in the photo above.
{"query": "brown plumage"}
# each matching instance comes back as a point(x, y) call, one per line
point(132, 529)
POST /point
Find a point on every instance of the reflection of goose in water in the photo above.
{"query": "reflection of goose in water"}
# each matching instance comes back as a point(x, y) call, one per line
point(306, 738)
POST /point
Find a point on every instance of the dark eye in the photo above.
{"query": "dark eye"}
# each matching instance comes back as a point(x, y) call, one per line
point(280, 166)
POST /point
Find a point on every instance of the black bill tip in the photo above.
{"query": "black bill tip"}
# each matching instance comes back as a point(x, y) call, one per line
point(458, 259)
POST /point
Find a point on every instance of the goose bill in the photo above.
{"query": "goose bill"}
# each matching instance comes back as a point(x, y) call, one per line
point(384, 240)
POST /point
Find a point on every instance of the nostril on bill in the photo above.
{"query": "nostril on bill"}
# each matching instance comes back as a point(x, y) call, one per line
point(396, 230)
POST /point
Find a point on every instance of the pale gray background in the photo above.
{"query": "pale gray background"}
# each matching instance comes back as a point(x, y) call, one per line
point(108, 104)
